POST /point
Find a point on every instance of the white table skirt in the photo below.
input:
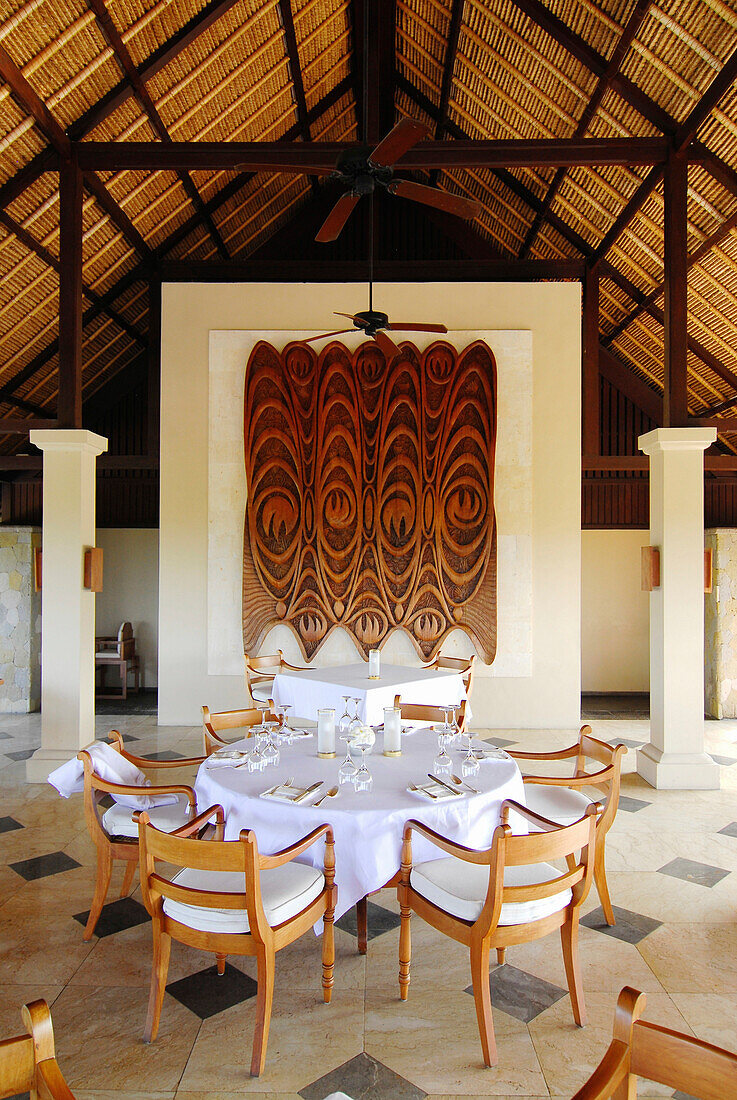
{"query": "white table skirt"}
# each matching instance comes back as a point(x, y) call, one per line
point(309, 690)
point(368, 827)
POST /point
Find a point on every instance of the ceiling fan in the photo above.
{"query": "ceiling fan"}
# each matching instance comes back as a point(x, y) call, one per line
point(373, 323)
point(362, 172)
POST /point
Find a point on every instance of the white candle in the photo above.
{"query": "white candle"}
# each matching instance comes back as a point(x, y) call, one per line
point(326, 732)
point(392, 732)
point(374, 664)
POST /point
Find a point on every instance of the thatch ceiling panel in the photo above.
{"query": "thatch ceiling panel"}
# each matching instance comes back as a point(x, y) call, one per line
point(600, 24)
point(709, 205)
point(711, 303)
point(37, 210)
point(552, 245)
point(536, 180)
point(323, 33)
point(19, 138)
point(407, 108)
point(197, 245)
point(127, 123)
point(505, 218)
point(614, 304)
point(719, 132)
point(590, 199)
point(615, 118)
point(246, 220)
point(339, 123)
point(638, 252)
point(145, 25)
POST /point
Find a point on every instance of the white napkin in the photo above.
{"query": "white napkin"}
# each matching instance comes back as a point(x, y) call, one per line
point(113, 768)
point(433, 791)
point(225, 758)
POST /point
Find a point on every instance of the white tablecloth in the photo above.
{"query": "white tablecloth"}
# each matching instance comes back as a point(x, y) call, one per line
point(309, 690)
point(368, 826)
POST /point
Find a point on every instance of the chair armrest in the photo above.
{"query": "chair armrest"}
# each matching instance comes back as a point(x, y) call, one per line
point(610, 1072)
point(197, 823)
point(122, 788)
point(589, 780)
point(469, 855)
point(561, 754)
point(292, 668)
point(288, 854)
point(142, 763)
point(537, 819)
point(50, 1080)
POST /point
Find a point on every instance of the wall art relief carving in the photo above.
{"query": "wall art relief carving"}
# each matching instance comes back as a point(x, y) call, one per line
point(370, 494)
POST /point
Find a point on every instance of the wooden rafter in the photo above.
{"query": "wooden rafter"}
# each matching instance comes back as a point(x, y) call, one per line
point(358, 64)
point(131, 73)
point(603, 83)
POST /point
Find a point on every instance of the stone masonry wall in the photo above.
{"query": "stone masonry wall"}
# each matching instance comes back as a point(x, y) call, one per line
point(20, 621)
point(720, 621)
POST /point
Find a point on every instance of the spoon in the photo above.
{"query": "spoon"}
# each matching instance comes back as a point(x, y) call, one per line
point(328, 794)
point(462, 783)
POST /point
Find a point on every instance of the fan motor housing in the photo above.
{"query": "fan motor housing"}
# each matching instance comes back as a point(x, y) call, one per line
point(374, 320)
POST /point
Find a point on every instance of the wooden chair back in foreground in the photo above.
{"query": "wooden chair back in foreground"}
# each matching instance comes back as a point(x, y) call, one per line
point(640, 1049)
point(114, 832)
point(231, 900)
point(464, 665)
point(214, 722)
point(28, 1063)
point(561, 798)
point(428, 715)
point(260, 673)
point(507, 894)
point(118, 652)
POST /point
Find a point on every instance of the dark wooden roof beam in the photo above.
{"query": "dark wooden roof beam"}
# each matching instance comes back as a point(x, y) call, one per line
point(451, 52)
point(492, 270)
point(32, 103)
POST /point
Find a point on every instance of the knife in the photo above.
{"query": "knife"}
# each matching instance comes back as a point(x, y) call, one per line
point(310, 790)
point(437, 779)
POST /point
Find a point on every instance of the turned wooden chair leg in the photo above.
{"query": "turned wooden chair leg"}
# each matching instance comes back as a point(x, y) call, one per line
point(362, 925)
point(482, 998)
point(500, 955)
point(266, 968)
point(220, 961)
point(159, 971)
point(601, 882)
point(130, 870)
point(104, 871)
point(405, 949)
point(328, 954)
point(569, 943)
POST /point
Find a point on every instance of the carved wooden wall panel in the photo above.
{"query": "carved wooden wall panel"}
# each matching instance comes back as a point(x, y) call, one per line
point(370, 494)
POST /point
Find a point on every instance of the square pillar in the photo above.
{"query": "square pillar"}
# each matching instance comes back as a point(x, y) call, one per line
point(675, 757)
point(68, 627)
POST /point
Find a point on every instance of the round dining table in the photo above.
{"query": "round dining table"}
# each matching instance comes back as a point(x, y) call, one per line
point(367, 825)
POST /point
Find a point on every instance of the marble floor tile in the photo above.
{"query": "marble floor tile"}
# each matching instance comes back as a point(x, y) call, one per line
point(690, 958)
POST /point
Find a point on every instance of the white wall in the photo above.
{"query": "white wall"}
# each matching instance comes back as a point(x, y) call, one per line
point(615, 613)
point(131, 591)
point(550, 311)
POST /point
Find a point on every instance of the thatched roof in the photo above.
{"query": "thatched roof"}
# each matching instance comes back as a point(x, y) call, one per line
point(244, 70)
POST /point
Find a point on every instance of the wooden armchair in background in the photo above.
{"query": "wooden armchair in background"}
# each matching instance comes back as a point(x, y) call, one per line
point(260, 673)
point(28, 1063)
point(427, 714)
point(646, 1050)
point(463, 665)
point(213, 722)
point(118, 652)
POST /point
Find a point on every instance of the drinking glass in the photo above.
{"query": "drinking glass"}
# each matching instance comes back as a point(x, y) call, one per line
point(355, 720)
point(345, 719)
point(470, 765)
point(284, 733)
point(347, 769)
point(442, 764)
point(256, 761)
point(363, 779)
point(271, 752)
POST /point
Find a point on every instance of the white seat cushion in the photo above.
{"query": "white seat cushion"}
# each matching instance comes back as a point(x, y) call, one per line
point(285, 891)
point(263, 692)
point(563, 805)
point(460, 889)
point(118, 820)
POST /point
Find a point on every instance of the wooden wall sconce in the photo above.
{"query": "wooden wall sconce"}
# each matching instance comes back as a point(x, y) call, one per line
point(37, 563)
point(93, 569)
point(650, 564)
point(708, 570)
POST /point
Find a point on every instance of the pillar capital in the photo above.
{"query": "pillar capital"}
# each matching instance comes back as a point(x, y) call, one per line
point(675, 439)
point(69, 440)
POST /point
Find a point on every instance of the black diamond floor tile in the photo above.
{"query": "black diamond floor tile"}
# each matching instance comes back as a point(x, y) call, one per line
point(730, 830)
point(22, 754)
point(632, 805)
point(167, 754)
point(379, 919)
point(9, 824)
point(500, 742)
point(43, 866)
point(206, 993)
point(363, 1078)
point(520, 994)
point(630, 927)
point(725, 761)
point(116, 917)
point(703, 874)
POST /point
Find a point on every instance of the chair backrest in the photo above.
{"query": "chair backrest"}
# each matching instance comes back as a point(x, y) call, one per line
point(646, 1050)
point(215, 721)
point(260, 670)
point(126, 642)
point(420, 712)
point(464, 665)
point(606, 779)
point(28, 1062)
point(572, 843)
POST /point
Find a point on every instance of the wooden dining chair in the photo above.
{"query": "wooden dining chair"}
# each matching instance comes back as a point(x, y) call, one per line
point(114, 832)
point(562, 799)
point(214, 722)
point(28, 1062)
point(643, 1050)
point(229, 899)
point(260, 673)
point(463, 665)
point(503, 895)
point(118, 651)
point(429, 715)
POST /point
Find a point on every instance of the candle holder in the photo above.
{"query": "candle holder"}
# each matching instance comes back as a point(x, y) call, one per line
point(374, 664)
point(326, 733)
point(392, 731)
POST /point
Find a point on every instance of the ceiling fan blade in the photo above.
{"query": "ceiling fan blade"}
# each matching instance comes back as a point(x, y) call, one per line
point(432, 196)
point(396, 326)
point(405, 134)
point(358, 320)
point(325, 335)
point(336, 219)
point(388, 346)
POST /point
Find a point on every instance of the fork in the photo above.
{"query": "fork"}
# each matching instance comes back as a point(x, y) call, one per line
point(414, 787)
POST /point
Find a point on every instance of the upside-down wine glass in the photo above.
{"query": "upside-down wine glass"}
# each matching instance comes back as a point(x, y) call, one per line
point(363, 780)
point(347, 769)
point(442, 764)
point(271, 749)
point(345, 719)
point(284, 733)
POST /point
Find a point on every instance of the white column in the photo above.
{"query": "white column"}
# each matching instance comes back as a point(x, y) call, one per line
point(675, 757)
point(68, 622)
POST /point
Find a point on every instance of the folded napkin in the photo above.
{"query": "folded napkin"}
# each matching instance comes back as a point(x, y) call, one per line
point(433, 791)
point(225, 758)
point(283, 793)
point(489, 752)
point(113, 768)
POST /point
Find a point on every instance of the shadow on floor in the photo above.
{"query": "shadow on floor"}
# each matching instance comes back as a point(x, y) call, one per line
point(145, 701)
point(622, 705)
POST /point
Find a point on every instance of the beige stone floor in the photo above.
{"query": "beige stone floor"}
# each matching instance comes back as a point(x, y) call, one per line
point(98, 990)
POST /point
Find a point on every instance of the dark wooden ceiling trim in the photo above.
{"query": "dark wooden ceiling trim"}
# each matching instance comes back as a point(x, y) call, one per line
point(33, 105)
point(358, 63)
point(603, 83)
point(631, 208)
point(604, 463)
point(623, 378)
point(124, 59)
point(590, 385)
point(675, 321)
point(718, 88)
point(295, 68)
point(13, 426)
point(385, 270)
point(451, 53)
point(69, 400)
point(117, 215)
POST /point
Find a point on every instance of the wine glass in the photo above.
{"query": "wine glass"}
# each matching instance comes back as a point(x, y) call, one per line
point(356, 722)
point(256, 761)
point(363, 779)
point(284, 733)
point(442, 764)
point(345, 719)
point(271, 752)
point(451, 719)
point(347, 769)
